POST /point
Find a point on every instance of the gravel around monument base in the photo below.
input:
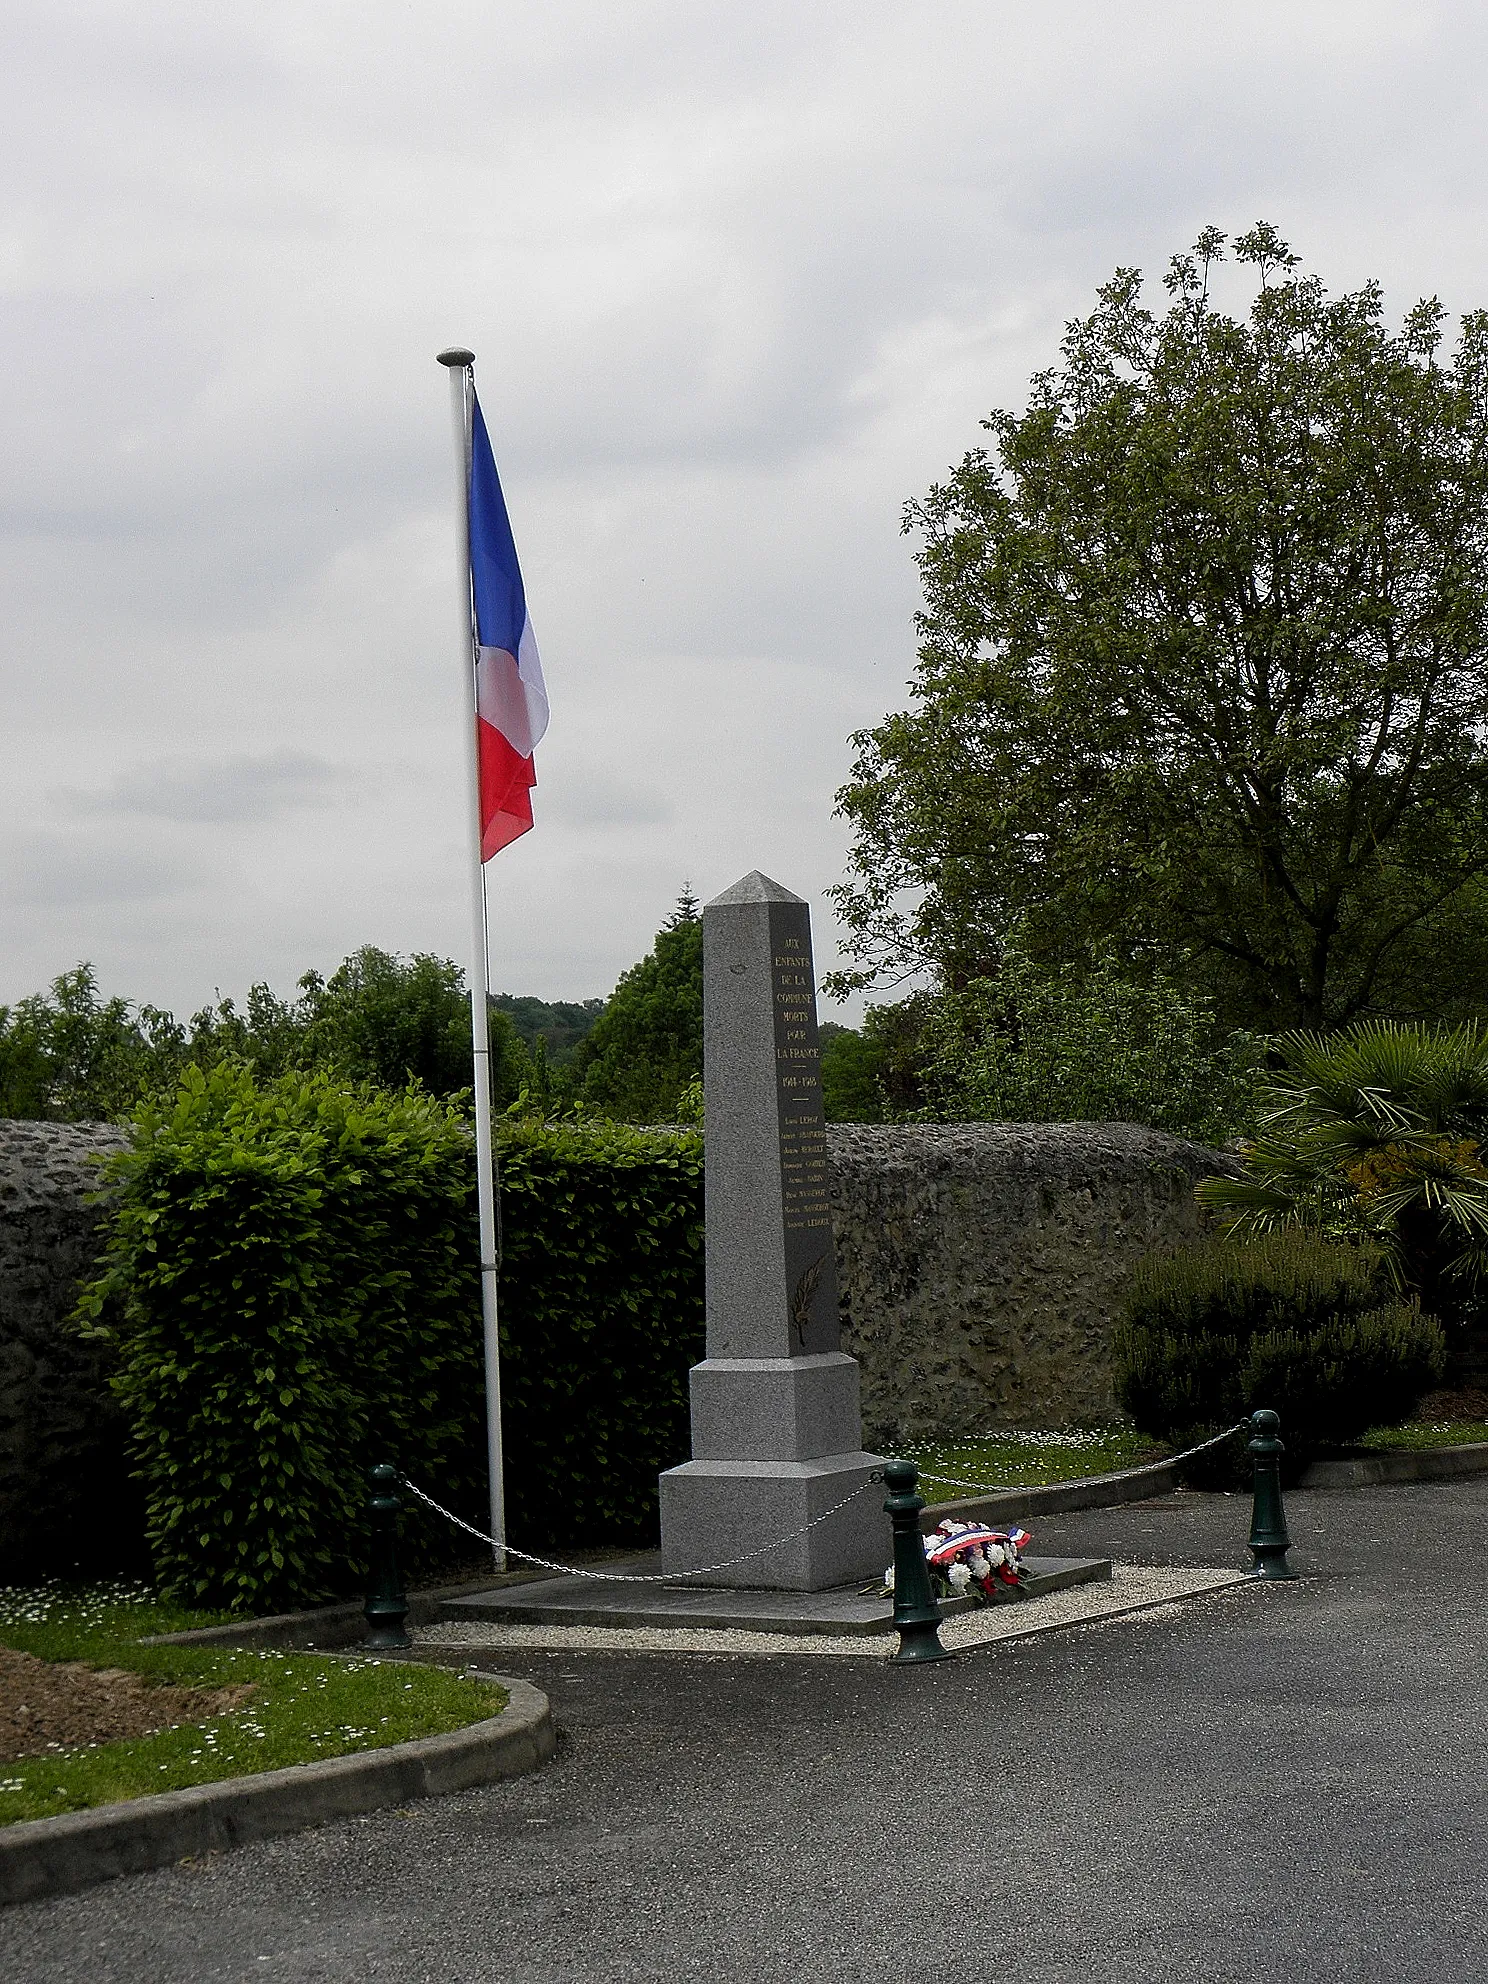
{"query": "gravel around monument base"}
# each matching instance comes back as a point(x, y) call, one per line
point(1131, 1588)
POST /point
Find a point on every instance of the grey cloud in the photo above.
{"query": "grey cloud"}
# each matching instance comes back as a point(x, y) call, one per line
point(78, 872)
point(243, 788)
point(586, 798)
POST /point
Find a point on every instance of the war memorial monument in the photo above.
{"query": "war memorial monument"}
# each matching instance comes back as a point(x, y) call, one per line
point(777, 1433)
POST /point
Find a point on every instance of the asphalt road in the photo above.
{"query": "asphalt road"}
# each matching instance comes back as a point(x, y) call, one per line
point(1282, 1783)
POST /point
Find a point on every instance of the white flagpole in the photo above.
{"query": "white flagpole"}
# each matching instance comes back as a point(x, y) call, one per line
point(460, 362)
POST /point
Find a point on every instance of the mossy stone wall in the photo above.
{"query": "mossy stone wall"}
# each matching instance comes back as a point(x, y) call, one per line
point(981, 1265)
point(65, 1496)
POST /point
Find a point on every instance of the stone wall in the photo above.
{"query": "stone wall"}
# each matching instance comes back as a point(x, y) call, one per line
point(981, 1264)
point(65, 1497)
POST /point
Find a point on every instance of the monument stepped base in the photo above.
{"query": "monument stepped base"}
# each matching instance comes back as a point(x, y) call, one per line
point(569, 1601)
point(717, 1511)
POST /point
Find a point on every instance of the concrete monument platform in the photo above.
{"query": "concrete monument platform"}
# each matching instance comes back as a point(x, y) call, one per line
point(570, 1601)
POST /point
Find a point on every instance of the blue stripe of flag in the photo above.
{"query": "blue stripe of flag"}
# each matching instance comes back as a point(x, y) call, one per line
point(500, 601)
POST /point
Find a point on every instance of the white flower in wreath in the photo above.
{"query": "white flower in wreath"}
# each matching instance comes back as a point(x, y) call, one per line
point(977, 1564)
point(996, 1555)
point(959, 1575)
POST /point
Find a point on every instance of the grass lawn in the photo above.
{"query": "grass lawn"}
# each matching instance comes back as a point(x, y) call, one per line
point(1418, 1434)
point(1005, 1458)
point(304, 1706)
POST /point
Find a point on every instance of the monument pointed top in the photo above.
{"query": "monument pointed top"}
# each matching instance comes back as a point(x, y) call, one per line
point(754, 887)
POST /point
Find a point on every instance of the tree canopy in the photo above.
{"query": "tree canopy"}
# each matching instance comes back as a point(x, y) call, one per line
point(646, 1048)
point(378, 1018)
point(560, 1024)
point(1203, 676)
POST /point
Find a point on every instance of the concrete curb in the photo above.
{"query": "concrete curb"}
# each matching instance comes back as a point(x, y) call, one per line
point(1414, 1464)
point(1102, 1491)
point(44, 1857)
point(327, 1628)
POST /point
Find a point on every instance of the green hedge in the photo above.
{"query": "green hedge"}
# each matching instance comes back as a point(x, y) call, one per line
point(290, 1291)
point(601, 1318)
point(1306, 1326)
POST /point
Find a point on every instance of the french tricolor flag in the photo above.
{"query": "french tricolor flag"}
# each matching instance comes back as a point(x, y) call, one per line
point(511, 700)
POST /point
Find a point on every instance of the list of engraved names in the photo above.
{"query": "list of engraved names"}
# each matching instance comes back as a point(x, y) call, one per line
point(804, 1175)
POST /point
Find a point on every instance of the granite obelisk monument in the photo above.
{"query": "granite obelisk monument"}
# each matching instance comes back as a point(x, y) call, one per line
point(777, 1431)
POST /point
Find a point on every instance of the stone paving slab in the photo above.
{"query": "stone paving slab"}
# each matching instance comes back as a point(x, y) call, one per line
point(579, 1601)
point(1129, 1588)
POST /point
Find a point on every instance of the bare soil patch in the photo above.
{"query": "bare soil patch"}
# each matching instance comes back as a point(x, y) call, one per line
point(1466, 1405)
point(46, 1706)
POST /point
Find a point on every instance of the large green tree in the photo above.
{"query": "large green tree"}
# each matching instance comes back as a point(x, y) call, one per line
point(70, 1054)
point(1203, 681)
point(645, 1050)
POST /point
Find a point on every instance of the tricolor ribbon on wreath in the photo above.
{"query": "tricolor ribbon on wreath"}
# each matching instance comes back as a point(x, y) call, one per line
point(969, 1560)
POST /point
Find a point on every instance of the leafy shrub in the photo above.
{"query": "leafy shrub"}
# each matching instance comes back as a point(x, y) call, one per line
point(1037, 1046)
point(287, 1289)
point(1304, 1325)
point(601, 1318)
point(1377, 1133)
point(290, 1292)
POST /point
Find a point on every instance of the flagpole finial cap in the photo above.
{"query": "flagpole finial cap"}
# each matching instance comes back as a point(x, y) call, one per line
point(457, 355)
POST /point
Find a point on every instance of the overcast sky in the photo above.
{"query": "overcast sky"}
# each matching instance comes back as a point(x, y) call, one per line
point(740, 281)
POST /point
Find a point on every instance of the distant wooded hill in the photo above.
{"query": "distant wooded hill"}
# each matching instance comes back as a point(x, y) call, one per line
point(559, 1023)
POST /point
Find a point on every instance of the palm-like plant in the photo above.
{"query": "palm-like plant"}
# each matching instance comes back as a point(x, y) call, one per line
point(1376, 1131)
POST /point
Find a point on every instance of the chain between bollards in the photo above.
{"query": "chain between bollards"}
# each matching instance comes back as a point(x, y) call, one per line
point(386, 1607)
point(916, 1615)
point(1269, 1540)
point(916, 1610)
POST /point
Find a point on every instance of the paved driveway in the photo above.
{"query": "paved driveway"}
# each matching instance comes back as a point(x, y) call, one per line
point(1280, 1785)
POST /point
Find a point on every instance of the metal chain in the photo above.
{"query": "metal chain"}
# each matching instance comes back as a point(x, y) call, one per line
point(1148, 1467)
point(706, 1570)
point(627, 1577)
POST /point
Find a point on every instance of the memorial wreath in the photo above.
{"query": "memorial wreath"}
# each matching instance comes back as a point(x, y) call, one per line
point(968, 1560)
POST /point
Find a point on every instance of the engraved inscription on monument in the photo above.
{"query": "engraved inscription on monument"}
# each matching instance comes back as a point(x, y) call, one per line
point(805, 1179)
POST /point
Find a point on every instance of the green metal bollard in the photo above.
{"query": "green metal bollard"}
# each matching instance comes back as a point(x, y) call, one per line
point(1269, 1541)
point(916, 1613)
point(386, 1607)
